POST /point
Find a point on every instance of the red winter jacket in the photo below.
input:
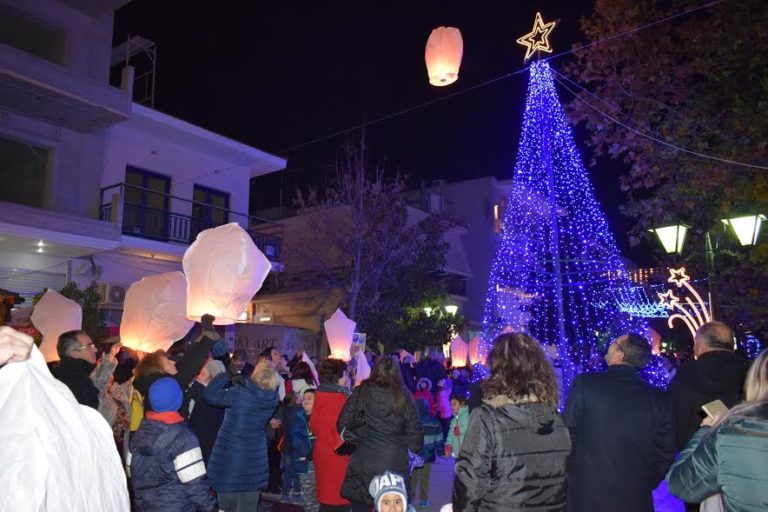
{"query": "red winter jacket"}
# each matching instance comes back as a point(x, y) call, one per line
point(330, 469)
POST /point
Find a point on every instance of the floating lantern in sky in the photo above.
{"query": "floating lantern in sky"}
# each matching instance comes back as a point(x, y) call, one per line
point(155, 312)
point(339, 330)
point(224, 270)
point(443, 55)
point(459, 352)
point(54, 315)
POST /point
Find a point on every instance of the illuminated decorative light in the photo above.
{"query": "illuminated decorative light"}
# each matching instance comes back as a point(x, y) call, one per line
point(443, 55)
point(41, 243)
point(451, 309)
point(339, 330)
point(693, 313)
point(538, 38)
point(551, 189)
point(672, 238)
point(265, 318)
point(747, 228)
point(428, 311)
point(459, 352)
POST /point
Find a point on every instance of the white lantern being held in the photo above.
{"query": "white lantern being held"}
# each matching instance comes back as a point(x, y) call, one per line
point(224, 270)
point(339, 330)
point(475, 356)
point(459, 352)
point(443, 55)
point(54, 315)
point(155, 312)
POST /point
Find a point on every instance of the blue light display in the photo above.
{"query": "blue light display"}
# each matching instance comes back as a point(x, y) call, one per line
point(556, 257)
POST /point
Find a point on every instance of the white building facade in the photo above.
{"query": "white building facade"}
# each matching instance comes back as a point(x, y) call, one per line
point(92, 186)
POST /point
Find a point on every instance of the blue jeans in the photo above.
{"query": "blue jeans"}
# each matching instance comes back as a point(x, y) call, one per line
point(291, 480)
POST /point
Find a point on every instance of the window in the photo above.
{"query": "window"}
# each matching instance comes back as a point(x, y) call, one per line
point(210, 208)
point(32, 37)
point(146, 203)
point(23, 172)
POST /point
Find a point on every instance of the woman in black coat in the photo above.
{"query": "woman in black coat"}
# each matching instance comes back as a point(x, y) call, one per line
point(516, 447)
point(392, 427)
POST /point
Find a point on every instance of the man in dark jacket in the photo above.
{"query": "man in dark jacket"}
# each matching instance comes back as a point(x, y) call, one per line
point(621, 433)
point(716, 374)
point(78, 359)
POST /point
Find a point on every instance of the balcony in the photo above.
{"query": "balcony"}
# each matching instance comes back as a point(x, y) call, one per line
point(32, 86)
point(166, 225)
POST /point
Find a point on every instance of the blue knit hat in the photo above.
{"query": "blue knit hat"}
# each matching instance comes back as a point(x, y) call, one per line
point(385, 484)
point(165, 395)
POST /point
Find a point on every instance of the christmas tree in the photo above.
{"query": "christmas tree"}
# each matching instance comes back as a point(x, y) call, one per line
point(556, 258)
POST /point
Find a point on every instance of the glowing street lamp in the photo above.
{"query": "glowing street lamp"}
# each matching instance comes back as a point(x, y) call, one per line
point(451, 309)
point(747, 228)
point(671, 237)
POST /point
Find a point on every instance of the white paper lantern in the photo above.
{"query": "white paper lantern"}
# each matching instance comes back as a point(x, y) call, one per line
point(339, 330)
point(443, 55)
point(459, 352)
point(155, 312)
point(362, 368)
point(475, 355)
point(54, 315)
point(224, 270)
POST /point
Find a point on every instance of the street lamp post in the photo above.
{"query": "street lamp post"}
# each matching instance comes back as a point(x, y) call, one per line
point(746, 229)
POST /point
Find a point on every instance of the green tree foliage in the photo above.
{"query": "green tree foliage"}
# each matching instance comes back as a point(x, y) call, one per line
point(89, 299)
point(367, 243)
point(699, 81)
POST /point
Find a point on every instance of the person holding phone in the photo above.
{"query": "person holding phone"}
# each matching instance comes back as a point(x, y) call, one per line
point(729, 453)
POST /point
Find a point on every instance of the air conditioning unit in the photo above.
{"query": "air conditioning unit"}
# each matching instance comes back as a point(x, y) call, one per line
point(111, 293)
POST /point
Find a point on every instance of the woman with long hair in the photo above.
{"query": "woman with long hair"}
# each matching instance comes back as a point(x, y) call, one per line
point(729, 455)
point(238, 469)
point(383, 415)
point(516, 446)
point(302, 379)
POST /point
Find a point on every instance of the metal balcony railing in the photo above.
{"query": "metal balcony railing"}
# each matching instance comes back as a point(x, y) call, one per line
point(166, 225)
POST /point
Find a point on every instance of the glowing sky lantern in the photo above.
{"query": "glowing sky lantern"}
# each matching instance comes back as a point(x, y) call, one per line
point(54, 315)
point(443, 55)
point(339, 330)
point(155, 312)
point(459, 351)
point(475, 355)
point(224, 270)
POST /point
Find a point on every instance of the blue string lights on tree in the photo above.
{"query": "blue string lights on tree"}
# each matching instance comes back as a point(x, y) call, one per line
point(556, 257)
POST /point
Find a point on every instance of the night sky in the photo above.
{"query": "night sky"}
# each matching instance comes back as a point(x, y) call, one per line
point(277, 74)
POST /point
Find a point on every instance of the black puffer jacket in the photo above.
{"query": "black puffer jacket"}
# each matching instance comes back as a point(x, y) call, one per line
point(715, 375)
point(387, 439)
point(514, 457)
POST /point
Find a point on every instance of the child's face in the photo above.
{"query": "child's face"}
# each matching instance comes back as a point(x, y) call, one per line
point(308, 402)
point(391, 502)
point(455, 406)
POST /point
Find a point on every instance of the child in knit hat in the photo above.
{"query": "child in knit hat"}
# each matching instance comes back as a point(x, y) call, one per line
point(164, 462)
point(389, 493)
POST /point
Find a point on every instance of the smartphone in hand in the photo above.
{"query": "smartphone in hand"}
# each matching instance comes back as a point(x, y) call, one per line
point(714, 408)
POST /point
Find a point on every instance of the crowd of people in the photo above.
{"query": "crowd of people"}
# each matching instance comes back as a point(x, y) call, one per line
point(209, 431)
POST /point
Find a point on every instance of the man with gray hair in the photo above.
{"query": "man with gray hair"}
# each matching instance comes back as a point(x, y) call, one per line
point(78, 359)
point(620, 431)
point(717, 374)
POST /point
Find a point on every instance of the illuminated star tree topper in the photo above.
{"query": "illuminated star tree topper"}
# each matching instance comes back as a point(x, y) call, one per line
point(538, 38)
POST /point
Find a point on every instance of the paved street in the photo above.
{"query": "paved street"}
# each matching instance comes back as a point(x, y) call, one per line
point(441, 487)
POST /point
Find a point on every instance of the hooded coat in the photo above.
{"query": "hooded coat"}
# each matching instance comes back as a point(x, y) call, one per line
point(239, 457)
point(167, 469)
point(715, 375)
point(514, 457)
point(731, 458)
point(388, 438)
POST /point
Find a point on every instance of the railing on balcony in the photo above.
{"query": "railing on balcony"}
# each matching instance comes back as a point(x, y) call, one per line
point(168, 226)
